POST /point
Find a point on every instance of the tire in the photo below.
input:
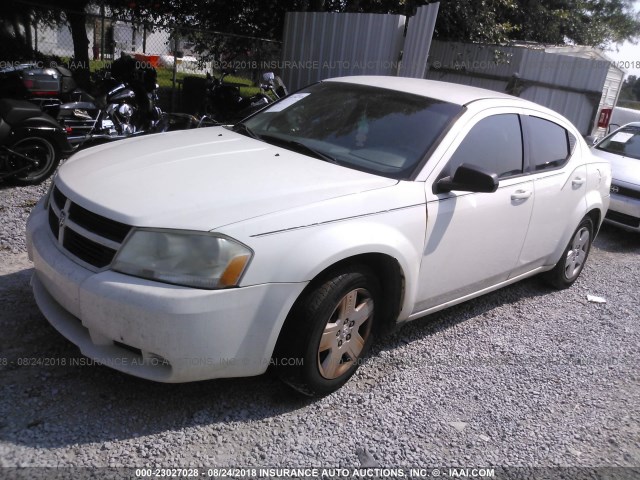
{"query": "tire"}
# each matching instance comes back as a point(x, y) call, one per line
point(328, 332)
point(40, 149)
point(574, 257)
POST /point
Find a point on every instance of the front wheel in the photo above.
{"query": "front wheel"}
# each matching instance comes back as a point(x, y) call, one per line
point(570, 265)
point(41, 152)
point(329, 332)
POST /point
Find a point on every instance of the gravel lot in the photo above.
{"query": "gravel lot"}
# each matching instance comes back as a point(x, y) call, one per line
point(522, 377)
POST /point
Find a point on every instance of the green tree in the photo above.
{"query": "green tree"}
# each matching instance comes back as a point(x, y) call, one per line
point(630, 89)
point(597, 23)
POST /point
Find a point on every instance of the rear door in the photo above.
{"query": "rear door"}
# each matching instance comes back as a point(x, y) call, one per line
point(560, 182)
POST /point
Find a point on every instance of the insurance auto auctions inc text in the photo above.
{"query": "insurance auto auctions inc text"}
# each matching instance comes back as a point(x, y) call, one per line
point(331, 473)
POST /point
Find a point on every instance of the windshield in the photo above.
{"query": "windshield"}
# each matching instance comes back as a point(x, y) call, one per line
point(625, 142)
point(376, 130)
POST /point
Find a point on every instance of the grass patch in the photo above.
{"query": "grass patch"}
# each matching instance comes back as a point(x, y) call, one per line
point(165, 77)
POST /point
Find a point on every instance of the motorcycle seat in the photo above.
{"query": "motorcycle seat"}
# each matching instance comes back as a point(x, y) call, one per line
point(16, 111)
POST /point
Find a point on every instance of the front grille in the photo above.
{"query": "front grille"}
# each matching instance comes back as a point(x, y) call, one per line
point(623, 218)
point(87, 250)
point(53, 223)
point(98, 224)
point(72, 225)
point(624, 191)
point(58, 198)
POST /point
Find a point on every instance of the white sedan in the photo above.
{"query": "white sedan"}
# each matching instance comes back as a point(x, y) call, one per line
point(622, 149)
point(295, 237)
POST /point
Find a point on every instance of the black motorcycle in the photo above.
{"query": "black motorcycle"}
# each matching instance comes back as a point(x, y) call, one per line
point(47, 87)
point(32, 143)
point(225, 104)
point(123, 100)
point(126, 105)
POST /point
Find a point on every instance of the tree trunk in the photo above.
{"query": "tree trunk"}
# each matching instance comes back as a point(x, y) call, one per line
point(78, 26)
point(15, 23)
point(28, 37)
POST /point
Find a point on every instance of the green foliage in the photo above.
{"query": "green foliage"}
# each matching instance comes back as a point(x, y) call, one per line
point(630, 89)
point(489, 21)
point(584, 22)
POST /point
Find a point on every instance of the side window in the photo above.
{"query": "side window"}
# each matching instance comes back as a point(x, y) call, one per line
point(495, 144)
point(551, 144)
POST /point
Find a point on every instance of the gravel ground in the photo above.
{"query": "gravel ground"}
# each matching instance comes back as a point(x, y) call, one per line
point(524, 376)
point(15, 205)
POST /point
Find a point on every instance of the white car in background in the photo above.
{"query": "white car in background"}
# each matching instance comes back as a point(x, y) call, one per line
point(622, 149)
point(295, 237)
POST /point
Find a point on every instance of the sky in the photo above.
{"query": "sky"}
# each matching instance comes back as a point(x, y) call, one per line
point(628, 54)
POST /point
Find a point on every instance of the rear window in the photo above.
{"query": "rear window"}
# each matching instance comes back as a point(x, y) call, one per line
point(551, 144)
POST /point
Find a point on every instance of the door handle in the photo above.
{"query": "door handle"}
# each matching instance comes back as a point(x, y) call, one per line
point(577, 182)
point(521, 195)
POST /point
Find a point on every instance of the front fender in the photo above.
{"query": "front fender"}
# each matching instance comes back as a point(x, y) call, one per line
point(300, 255)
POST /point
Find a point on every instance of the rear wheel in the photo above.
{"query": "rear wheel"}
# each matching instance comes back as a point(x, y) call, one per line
point(329, 332)
point(44, 156)
point(570, 265)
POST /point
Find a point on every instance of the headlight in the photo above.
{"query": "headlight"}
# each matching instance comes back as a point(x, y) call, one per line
point(194, 259)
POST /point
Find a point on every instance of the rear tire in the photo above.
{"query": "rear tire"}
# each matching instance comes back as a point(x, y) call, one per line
point(41, 150)
point(328, 332)
point(574, 257)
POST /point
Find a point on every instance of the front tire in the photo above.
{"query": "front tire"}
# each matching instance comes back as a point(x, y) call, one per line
point(43, 152)
point(328, 332)
point(570, 265)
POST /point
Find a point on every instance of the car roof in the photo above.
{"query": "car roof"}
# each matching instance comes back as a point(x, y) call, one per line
point(444, 91)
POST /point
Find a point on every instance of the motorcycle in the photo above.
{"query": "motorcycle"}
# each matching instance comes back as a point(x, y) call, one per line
point(225, 104)
point(32, 143)
point(126, 106)
point(47, 87)
point(274, 85)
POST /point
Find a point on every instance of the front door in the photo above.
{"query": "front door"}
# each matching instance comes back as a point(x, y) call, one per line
point(474, 240)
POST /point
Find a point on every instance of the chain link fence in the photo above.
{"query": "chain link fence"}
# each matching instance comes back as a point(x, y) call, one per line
point(175, 52)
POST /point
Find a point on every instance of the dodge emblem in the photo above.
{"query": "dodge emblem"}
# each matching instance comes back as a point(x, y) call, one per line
point(63, 218)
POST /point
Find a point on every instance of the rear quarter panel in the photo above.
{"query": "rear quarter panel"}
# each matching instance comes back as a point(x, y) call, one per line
point(598, 185)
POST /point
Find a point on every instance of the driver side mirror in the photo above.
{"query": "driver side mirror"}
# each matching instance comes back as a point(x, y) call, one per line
point(468, 178)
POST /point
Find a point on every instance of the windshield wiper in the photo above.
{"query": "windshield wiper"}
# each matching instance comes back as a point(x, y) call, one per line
point(300, 147)
point(243, 129)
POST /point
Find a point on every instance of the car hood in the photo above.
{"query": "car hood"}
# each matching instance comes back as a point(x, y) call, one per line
point(625, 169)
point(202, 179)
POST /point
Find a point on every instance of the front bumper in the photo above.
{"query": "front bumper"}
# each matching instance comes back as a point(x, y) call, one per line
point(152, 330)
point(624, 212)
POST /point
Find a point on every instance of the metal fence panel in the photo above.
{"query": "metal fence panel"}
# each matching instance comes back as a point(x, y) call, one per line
point(418, 41)
point(572, 86)
point(320, 45)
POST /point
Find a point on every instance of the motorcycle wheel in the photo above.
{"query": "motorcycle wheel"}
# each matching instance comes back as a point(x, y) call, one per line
point(40, 150)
